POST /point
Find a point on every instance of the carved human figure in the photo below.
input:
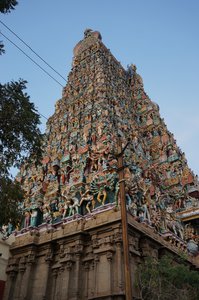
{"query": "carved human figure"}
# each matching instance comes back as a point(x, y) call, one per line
point(171, 223)
point(98, 186)
point(88, 198)
point(74, 206)
point(66, 207)
point(33, 218)
point(132, 206)
point(46, 214)
point(27, 219)
point(146, 212)
point(102, 195)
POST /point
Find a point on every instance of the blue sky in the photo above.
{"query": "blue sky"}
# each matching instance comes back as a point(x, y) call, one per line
point(160, 36)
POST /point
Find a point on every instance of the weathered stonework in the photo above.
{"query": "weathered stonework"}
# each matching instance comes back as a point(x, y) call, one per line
point(81, 260)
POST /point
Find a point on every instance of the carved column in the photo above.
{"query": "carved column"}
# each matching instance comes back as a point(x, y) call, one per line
point(53, 291)
point(120, 281)
point(78, 252)
point(59, 285)
point(10, 284)
point(91, 278)
point(109, 256)
point(95, 279)
point(26, 282)
point(67, 262)
point(46, 272)
point(95, 246)
point(86, 274)
point(11, 271)
point(21, 270)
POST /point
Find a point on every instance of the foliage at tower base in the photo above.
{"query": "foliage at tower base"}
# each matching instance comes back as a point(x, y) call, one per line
point(20, 137)
point(11, 195)
point(166, 280)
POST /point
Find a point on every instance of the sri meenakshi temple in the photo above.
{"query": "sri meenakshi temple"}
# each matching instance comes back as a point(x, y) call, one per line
point(70, 243)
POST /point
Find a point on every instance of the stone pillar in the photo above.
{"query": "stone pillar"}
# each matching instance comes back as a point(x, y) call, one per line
point(54, 281)
point(66, 280)
point(21, 270)
point(26, 282)
point(69, 265)
point(95, 279)
point(66, 261)
point(109, 256)
point(119, 265)
point(78, 252)
point(45, 274)
point(12, 270)
point(91, 278)
point(58, 288)
point(10, 285)
point(86, 278)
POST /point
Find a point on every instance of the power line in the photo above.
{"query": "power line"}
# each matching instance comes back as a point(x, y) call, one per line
point(42, 116)
point(36, 64)
point(32, 59)
point(32, 50)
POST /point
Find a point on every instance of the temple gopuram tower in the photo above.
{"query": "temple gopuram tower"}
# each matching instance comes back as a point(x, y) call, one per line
point(70, 244)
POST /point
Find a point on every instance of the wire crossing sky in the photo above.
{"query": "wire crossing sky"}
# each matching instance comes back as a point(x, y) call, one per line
point(159, 37)
point(31, 59)
point(32, 50)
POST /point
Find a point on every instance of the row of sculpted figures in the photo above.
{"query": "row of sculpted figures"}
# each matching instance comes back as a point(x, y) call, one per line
point(160, 211)
point(69, 201)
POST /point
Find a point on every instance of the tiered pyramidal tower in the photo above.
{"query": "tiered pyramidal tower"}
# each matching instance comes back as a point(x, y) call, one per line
point(103, 103)
point(71, 214)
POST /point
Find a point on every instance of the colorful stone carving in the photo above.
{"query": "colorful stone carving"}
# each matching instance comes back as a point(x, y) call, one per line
point(79, 174)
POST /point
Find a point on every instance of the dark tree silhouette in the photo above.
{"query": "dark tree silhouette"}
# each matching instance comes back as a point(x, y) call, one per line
point(20, 137)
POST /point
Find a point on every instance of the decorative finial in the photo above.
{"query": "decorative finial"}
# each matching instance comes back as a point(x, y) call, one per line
point(134, 68)
point(87, 32)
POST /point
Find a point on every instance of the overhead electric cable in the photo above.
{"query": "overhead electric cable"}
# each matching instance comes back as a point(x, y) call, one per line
point(32, 59)
point(32, 50)
point(42, 116)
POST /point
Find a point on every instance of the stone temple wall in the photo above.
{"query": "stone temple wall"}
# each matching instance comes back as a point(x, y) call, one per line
point(81, 259)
